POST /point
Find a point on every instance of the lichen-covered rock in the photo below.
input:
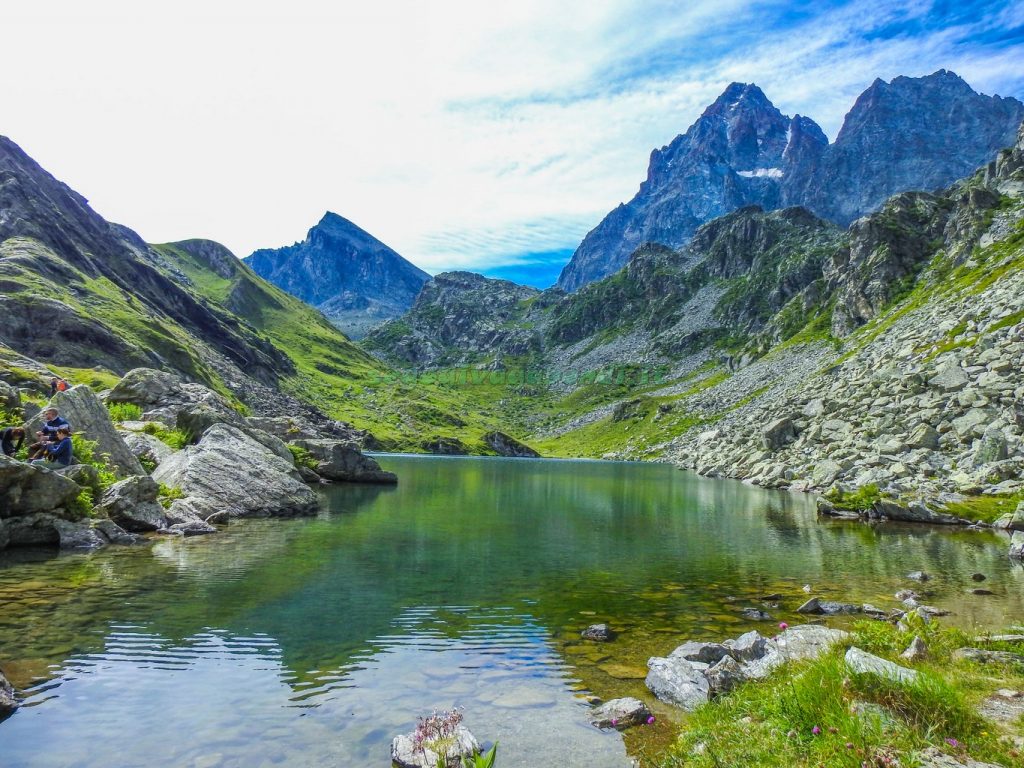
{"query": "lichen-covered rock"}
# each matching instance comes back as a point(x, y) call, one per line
point(345, 462)
point(146, 447)
point(233, 472)
point(933, 757)
point(598, 632)
point(89, 419)
point(1017, 545)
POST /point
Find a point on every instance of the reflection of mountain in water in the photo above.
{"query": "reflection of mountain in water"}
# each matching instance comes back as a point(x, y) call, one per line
point(572, 539)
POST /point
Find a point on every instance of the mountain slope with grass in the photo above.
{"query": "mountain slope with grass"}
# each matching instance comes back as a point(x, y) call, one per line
point(90, 300)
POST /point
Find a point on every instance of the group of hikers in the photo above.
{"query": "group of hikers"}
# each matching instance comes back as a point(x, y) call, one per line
point(53, 440)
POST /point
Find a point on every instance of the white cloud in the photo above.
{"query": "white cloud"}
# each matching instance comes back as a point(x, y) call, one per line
point(463, 134)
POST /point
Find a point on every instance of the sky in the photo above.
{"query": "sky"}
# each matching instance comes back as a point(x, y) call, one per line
point(464, 134)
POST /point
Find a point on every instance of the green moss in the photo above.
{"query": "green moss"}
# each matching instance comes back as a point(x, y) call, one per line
point(303, 458)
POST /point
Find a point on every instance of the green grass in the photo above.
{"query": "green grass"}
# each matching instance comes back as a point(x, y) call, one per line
point(303, 458)
point(120, 412)
point(173, 438)
point(985, 508)
point(861, 719)
point(859, 500)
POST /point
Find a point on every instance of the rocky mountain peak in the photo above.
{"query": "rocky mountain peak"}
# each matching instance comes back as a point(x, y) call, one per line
point(909, 133)
point(352, 277)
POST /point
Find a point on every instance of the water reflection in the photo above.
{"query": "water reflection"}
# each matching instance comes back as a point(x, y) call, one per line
point(468, 583)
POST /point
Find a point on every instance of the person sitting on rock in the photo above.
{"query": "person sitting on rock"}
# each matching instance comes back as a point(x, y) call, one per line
point(8, 437)
point(48, 433)
point(60, 452)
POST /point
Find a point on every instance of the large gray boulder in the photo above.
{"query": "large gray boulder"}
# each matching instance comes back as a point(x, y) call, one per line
point(146, 447)
point(864, 663)
point(344, 462)
point(231, 471)
point(281, 427)
point(42, 529)
point(89, 418)
point(132, 504)
point(913, 512)
point(26, 489)
point(8, 703)
point(779, 433)
point(678, 681)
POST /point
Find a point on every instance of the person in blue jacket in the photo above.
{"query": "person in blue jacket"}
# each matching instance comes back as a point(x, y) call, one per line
point(47, 433)
point(60, 452)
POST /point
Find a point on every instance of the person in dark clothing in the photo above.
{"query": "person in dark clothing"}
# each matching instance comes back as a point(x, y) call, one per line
point(48, 433)
point(8, 437)
point(53, 386)
point(60, 452)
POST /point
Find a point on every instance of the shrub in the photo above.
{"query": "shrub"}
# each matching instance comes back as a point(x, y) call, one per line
point(174, 438)
point(303, 458)
point(167, 495)
point(124, 412)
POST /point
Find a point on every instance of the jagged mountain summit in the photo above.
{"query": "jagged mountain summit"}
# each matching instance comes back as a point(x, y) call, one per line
point(345, 272)
point(911, 133)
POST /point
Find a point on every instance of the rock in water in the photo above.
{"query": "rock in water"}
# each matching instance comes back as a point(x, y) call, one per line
point(132, 504)
point(504, 445)
point(230, 471)
point(89, 419)
point(26, 489)
point(1017, 545)
point(678, 681)
point(404, 754)
point(620, 713)
point(599, 632)
point(345, 462)
point(8, 703)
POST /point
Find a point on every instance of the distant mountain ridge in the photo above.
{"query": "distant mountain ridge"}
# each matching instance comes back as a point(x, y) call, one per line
point(352, 277)
point(908, 134)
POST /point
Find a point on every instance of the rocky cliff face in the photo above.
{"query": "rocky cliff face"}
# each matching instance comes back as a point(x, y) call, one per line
point(346, 273)
point(912, 133)
point(459, 317)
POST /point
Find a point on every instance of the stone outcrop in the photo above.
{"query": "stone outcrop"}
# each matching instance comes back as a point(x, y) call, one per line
point(344, 462)
point(864, 663)
point(89, 419)
point(232, 472)
point(505, 445)
point(132, 504)
point(696, 671)
point(26, 489)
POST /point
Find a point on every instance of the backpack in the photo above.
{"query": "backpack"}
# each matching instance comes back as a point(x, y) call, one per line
point(62, 385)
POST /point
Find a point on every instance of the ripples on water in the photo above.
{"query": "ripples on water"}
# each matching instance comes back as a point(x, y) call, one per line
point(313, 642)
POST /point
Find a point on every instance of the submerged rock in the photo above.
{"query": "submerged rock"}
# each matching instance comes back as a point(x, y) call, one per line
point(620, 713)
point(598, 632)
